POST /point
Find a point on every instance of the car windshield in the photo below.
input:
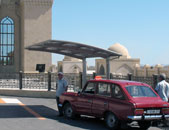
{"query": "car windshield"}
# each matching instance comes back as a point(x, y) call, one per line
point(140, 91)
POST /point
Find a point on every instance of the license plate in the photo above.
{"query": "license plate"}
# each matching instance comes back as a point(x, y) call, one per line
point(153, 112)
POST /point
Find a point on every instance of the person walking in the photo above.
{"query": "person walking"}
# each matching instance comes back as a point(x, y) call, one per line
point(162, 88)
point(61, 87)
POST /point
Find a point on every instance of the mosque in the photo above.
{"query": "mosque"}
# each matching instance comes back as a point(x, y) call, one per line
point(26, 22)
point(23, 23)
point(121, 66)
point(124, 65)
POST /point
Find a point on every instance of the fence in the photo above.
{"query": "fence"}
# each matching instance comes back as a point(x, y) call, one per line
point(41, 81)
point(48, 81)
point(152, 81)
point(10, 80)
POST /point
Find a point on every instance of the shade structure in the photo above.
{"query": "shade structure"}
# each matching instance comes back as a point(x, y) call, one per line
point(72, 49)
point(76, 50)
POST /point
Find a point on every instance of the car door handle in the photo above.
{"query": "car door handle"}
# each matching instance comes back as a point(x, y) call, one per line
point(90, 101)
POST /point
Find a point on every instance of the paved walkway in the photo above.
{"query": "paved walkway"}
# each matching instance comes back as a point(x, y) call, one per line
point(18, 113)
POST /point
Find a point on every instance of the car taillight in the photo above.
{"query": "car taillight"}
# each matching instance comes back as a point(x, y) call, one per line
point(139, 112)
point(165, 110)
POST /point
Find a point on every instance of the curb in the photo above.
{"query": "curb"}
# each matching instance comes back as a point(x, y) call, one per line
point(28, 93)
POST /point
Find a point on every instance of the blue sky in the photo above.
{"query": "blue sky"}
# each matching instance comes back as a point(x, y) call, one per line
point(142, 26)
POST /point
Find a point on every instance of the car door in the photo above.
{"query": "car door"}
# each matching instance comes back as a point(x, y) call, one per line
point(119, 104)
point(101, 100)
point(85, 99)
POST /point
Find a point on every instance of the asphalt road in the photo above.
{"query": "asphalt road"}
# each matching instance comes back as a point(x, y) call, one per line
point(21, 113)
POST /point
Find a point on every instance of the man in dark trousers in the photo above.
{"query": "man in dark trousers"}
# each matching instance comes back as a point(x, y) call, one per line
point(61, 88)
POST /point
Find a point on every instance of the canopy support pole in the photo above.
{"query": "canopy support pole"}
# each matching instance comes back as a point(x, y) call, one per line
point(84, 73)
point(108, 68)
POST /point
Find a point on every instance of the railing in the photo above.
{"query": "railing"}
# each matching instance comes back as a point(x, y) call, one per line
point(72, 79)
point(10, 80)
point(34, 81)
point(152, 81)
point(48, 81)
point(39, 81)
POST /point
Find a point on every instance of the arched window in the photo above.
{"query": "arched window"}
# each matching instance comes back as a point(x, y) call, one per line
point(6, 41)
point(102, 71)
point(60, 69)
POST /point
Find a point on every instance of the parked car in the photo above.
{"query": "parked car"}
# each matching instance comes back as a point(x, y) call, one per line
point(117, 101)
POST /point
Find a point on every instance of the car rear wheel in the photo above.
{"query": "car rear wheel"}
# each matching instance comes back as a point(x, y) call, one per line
point(144, 124)
point(111, 121)
point(68, 111)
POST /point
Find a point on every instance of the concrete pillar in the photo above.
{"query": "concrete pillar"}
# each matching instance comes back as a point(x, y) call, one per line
point(84, 73)
point(108, 68)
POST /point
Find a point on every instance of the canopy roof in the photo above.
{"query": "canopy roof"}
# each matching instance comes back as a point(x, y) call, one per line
point(72, 49)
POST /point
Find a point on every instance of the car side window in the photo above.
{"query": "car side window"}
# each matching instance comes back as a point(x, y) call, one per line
point(117, 92)
point(90, 88)
point(104, 89)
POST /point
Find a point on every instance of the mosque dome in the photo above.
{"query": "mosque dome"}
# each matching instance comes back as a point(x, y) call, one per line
point(117, 47)
point(137, 65)
point(158, 66)
point(147, 66)
point(68, 58)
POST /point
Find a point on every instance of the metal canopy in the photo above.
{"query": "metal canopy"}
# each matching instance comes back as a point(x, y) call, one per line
point(77, 50)
point(72, 49)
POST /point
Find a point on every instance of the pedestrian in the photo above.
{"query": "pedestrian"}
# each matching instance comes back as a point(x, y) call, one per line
point(162, 88)
point(61, 87)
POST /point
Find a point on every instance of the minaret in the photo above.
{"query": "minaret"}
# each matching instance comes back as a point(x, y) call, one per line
point(32, 24)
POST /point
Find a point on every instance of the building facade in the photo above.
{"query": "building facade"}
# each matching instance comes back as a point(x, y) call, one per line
point(23, 23)
point(70, 65)
point(126, 65)
point(122, 66)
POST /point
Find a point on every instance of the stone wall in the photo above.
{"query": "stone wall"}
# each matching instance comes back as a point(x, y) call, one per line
point(149, 71)
point(32, 22)
point(36, 21)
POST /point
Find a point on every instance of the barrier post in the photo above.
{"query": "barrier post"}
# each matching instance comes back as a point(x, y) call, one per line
point(49, 81)
point(20, 79)
point(155, 80)
point(130, 76)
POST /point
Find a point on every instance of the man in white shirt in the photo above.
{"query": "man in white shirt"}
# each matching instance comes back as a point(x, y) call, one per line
point(162, 88)
point(61, 88)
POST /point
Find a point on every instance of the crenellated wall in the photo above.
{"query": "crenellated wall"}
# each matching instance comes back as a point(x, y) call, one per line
point(148, 71)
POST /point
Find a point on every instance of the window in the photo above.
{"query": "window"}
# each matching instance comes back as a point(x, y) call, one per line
point(101, 71)
point(117, 92)
point(6, 41)
point(90, 88)
point(104, 89)
point(140, 91)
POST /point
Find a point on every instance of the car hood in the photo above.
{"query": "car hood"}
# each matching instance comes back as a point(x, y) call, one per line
point(149, 102)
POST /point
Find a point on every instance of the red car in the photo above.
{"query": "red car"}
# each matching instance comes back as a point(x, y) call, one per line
point(117, 101)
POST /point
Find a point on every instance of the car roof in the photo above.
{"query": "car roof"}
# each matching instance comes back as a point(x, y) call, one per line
point(122, 82)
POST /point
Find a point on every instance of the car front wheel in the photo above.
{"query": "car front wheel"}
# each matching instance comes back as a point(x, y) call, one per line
point(68, 111)
point(111, 121)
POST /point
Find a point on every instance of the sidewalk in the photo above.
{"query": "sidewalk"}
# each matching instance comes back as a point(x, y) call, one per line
point(37, 93)
point(34, 93)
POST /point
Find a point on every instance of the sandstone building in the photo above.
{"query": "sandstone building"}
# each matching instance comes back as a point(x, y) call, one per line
point(70, 65)
point(122, 66)
point(23, 23)
point(125, 65)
